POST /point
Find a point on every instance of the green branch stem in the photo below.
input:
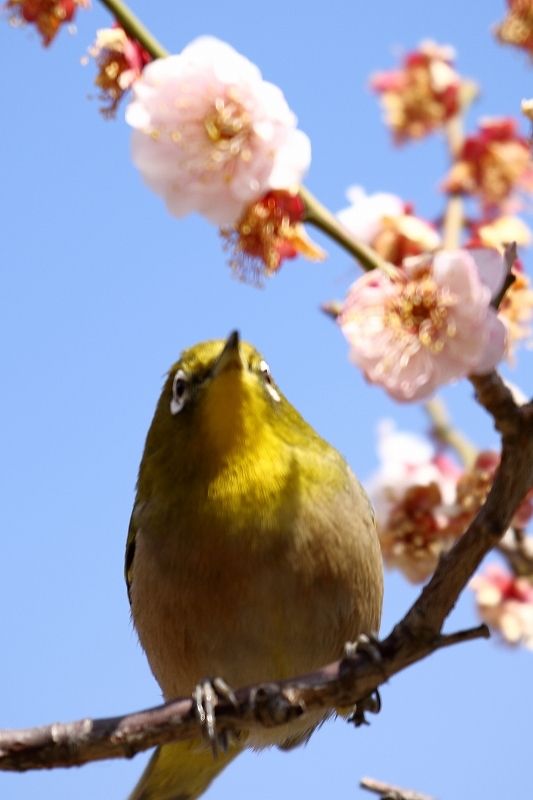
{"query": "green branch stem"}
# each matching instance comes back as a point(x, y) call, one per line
point(454, 213)
point(449, 436)
point(134, 27)
point(319, 216)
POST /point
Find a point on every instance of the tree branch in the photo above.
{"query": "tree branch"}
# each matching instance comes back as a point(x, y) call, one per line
point(341, 684)
point(389, 792)
point(518, 550)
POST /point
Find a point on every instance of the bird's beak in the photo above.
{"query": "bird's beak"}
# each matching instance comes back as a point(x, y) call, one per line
point(230, 357)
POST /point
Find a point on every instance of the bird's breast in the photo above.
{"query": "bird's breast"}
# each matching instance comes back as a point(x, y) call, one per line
point(274, 592)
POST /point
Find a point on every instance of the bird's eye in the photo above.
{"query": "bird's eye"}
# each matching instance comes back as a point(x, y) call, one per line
point(265, 370)
point(179, 392)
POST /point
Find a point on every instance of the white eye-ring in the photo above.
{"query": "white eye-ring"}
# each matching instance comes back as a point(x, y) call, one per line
point(179, 392)
point(265, 369)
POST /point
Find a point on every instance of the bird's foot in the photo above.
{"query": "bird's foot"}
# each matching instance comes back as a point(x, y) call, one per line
point(206, 696)
point(364, 644)
point(370, 704)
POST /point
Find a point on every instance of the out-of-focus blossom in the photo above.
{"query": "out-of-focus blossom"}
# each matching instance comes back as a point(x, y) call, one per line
point(269, 231)
point(474, 485)
point(527, 109)
point(505, 602)
point(516, 309)
point(492, 164)
point(499, 233)
point(212, 136)
point(46, 15)
point(388, 225)
point(411, 493)
point(431, 324)
point(423, 93)
point(120, 61)
point(517, 27)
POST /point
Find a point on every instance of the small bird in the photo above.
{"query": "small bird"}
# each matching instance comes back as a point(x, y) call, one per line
point(252, 554)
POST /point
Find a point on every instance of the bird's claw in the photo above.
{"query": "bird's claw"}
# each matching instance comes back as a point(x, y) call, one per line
point(370, 704)
point(206, 696)
point(364, 644)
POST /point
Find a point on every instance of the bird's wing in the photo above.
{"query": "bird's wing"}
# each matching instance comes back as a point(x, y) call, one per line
point(130, 553)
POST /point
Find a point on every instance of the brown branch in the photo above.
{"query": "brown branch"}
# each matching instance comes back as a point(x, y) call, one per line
point(389, 792)
point(341, 684)
point(518, 551)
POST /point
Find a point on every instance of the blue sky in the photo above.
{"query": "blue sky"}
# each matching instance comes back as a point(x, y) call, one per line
point(101, 290)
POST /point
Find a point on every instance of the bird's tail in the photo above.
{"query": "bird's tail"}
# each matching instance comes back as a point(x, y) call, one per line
point(181, 771)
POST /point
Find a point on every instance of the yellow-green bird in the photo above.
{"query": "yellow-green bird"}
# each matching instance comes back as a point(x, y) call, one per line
point(252, 553)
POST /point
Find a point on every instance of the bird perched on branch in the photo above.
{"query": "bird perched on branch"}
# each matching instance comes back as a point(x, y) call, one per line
point(252, 554)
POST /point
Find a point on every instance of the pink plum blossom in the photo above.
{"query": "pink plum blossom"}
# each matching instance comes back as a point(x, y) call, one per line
point(423, 94)
point(210, 135)
point(505, 602)
point(430, 324)
point(388, 224)
point(413, 494)
point(493, 165)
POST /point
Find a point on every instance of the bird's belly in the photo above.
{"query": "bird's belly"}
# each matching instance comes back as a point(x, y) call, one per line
point(248, 613)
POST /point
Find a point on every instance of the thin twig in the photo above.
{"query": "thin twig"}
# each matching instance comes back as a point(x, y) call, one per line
point(389, 792)
point(443, 431)
point(510, 257)
point(454, 214)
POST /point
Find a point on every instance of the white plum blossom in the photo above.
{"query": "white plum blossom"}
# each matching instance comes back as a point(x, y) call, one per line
point(430, 324)
point(413, 494)
point(387, 224)
point(366, 212)
point(211, 135)
point(407, 459)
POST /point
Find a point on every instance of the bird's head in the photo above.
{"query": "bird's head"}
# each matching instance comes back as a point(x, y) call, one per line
point(220, 403)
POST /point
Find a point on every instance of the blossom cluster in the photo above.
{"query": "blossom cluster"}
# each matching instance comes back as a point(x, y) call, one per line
point(492, 165)
point(209, 136)
point(423, 94)
point(505, 602)
point(424, 501)
point(413, 494)
point(47, 15)
point(517, 27)
point(431, 321)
